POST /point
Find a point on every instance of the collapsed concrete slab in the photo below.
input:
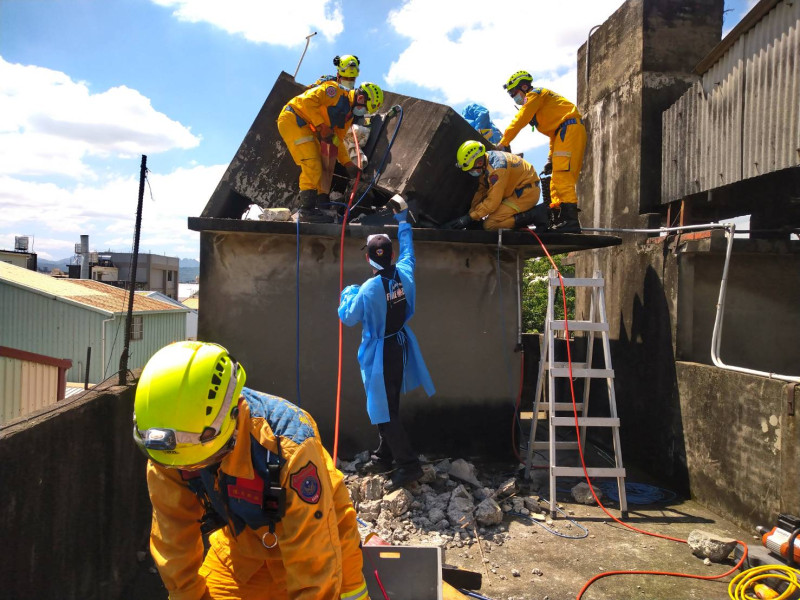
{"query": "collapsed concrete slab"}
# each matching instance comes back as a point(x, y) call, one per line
point(410, 151)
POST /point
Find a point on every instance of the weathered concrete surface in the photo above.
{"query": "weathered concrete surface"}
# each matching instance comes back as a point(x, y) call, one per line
point(419, 165)
point(640, 61)
point(465, 323)
point(74, 496)
point(742, 448)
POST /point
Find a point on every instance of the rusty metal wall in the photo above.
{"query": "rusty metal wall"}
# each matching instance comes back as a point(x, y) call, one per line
point(741, 118)
point(25, 387)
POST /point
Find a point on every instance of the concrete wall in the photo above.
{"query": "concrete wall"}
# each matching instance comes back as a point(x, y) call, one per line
point(465, 322)
point(639, 62)
point(743, 449)
point(74, 497)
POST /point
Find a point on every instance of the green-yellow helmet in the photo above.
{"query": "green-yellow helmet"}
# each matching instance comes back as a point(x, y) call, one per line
point(374, 95)
point(468, 153)
point(516, 79)
point(186, 404)
point(347, 65)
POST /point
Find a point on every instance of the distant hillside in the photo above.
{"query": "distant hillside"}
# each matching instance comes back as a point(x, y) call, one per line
point(49, 265)
point(188, 270)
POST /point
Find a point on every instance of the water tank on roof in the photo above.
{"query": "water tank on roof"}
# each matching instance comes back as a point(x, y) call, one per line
point(21, 243)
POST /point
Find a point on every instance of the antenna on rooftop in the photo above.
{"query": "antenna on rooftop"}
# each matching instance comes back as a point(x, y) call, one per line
point(308, 39)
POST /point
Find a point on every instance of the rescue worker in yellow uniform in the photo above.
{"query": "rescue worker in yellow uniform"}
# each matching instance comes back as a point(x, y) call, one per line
point(248, 470)
point(319, 114)
point(507, 187)
point(559, 119)
point(347, 69)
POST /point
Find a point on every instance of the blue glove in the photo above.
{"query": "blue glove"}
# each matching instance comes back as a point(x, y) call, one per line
point(401, 216)
point(459, 223)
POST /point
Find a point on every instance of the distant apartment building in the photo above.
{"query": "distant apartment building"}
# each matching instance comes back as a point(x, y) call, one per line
point(20, 256)
point(154, 272)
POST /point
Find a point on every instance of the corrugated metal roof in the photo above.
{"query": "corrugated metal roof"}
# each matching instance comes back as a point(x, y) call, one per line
point(193, 303)
point(93, 294)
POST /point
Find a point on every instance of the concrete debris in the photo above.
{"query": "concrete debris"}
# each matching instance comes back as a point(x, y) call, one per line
point(712, 547)
point(515, 572)
point(398, 502)
point(371, 488)
point(461, 507)
point(537, 572)
point(583, 495)
point(488, 512)
point(464, 471)
point(428, 474)
point(507, 488)
point(275, 214)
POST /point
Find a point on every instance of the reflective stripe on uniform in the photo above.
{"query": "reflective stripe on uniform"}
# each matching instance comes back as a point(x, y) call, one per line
point(359, 593)
point(562, 153)
point(303, 140)
point(510, 204)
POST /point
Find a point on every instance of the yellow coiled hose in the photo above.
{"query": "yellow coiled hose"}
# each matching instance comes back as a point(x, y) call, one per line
point(748, 581)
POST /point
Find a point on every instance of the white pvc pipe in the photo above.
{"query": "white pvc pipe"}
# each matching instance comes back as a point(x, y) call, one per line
point(716, 336)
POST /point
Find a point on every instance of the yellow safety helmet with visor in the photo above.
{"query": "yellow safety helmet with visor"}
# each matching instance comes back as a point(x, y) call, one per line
point(186, 404)
point(468, 153)
point(347, 65)
point(516, 79)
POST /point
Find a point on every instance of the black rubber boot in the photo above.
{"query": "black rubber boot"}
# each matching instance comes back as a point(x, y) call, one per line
point(309, 213)
point(538, 216)
point(567, 219)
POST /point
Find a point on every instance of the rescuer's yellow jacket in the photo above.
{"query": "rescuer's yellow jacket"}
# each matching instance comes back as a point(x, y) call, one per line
point(545, 110)
point(506, 179)
point(314, 551)
point(327, 103)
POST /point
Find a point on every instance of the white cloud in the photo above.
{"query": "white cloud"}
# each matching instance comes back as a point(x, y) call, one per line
point(261, 21)
point(50, 124)
point(448, 53)
point(57, 216)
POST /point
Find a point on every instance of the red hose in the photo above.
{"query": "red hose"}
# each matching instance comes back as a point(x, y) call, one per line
point(341, 288)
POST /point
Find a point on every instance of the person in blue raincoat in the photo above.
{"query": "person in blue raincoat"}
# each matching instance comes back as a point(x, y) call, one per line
point(389, 355)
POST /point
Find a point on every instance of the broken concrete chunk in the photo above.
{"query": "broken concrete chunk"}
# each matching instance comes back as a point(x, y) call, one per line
point(369, 510)
point(488, 512)
point(443, 466)
point(464, 471)
point(583, 495)
point(435, 515)
point(459, 510)
point(371, 488)
point(398, 502)
point(507, 488)
point(708, 545)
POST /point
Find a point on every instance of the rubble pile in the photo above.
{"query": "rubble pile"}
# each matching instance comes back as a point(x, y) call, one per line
point(450, 506)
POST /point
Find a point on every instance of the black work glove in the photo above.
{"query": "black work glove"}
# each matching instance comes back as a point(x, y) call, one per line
point(548, 168)
point(459, 223)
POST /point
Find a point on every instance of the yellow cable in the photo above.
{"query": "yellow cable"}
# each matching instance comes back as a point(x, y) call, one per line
point(747, 581)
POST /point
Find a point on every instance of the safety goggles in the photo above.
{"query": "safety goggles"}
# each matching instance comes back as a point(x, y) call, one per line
point(166, 439)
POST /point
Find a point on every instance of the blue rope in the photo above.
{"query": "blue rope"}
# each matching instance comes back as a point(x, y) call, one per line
point(473, 594)
point(635, 493)
point(297, 311)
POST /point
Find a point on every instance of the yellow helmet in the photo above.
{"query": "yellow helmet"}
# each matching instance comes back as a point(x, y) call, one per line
point(347, 65)
point(374, 95)
point(184, 414)
point(468, 153)
point(516, 79)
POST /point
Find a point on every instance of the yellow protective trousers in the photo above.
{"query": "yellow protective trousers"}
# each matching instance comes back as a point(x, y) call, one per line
point(567, 146)
point(503, 217)
point(304, 147)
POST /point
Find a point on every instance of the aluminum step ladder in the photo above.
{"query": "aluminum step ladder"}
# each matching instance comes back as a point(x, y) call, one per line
point(550, 371)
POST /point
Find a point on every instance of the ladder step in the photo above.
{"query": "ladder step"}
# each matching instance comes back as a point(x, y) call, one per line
point(576, 373)
point(593, 471)
point(579, 325)
point(577, 282)
point(559, 445)
point(585, 421)
point(565, 365)
point(557, 406)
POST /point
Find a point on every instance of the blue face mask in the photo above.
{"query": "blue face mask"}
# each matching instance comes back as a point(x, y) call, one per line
point(359, 111)
point(475, 172)
point(519, 98)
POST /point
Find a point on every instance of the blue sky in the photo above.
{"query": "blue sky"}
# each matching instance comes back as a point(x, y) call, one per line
point(88, 86)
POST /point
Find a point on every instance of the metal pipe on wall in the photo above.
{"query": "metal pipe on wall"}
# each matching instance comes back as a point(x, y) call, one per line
point(716, 336)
